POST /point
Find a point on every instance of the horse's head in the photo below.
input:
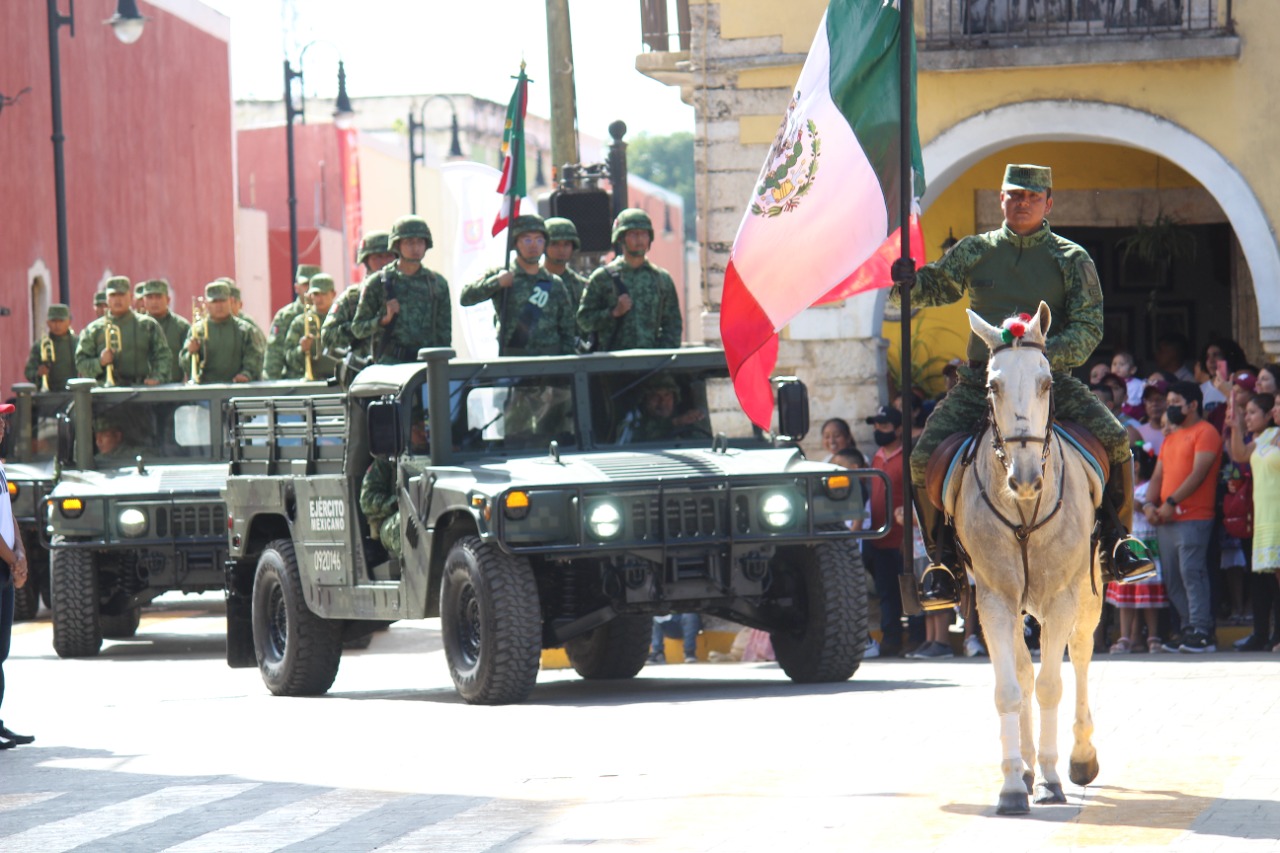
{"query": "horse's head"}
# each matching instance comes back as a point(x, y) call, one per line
point(1019, 394)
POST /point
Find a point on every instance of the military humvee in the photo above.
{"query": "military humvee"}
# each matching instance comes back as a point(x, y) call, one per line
point(137, 510)
point(29, 451)
point(555, 501)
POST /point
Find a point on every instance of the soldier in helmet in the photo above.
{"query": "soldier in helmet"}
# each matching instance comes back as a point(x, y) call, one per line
point(336, 332)
point(99, 304)
point(143, 357)
point(533, 309)
point(228, 349)
point(155, 297)
point(655, 417)
point(63, 365)
point(273, 364)
point(562, 242)
point(301, 342)
point(405, 307)
point(630, 303)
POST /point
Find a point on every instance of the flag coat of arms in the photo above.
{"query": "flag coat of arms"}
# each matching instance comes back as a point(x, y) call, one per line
point(512, 184)
point(821, 224)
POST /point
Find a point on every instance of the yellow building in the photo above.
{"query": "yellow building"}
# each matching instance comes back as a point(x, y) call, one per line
point(1154, 116)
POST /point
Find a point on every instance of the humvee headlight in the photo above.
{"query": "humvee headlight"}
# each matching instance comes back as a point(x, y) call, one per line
point(71, 507)
point(838, 486)
point(777, 510)
point(605, 520)
point(133, 522)
point(13, 489)
point(516, 505)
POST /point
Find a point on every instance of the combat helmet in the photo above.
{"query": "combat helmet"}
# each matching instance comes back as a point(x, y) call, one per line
point(375, 243)
point(408, 226)
point(559, 228)
point(633, 218)
point(526, 223)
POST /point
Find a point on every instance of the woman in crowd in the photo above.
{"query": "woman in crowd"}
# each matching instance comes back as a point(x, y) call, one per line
point(1255, 441)
point(836, 436)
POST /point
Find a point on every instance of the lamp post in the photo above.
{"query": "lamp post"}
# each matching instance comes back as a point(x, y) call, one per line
point(418, 123)
point(342, 109)
point(127, 25)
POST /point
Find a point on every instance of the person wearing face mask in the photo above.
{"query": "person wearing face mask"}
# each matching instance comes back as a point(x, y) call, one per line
point(1181, 504)
point(883, 556)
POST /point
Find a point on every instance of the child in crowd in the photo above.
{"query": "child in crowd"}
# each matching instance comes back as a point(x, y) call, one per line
point(1142, 600)
point(1124, 366)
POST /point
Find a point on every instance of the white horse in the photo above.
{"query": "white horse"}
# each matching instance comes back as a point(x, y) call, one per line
point(1024, 506)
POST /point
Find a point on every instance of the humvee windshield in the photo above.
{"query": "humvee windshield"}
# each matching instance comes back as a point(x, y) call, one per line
point(672, 407)
point(124, 430)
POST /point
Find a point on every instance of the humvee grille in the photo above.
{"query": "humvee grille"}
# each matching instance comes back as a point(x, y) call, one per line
point(651, 465)
point(192, 520)
point(682, 517)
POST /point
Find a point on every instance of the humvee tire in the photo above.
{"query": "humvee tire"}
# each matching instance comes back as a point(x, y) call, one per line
point(298, 652)
point(73, 582)
point(490, 623)
point(616, 649)
point(26, 599)
point(832, 596)
point(120, 626)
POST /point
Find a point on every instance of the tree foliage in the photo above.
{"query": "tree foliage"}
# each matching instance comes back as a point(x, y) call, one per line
point(668, 162)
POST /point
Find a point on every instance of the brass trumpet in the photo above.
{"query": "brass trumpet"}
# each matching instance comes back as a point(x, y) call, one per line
point(200, 331)
point(48, 357)
point(115, 343)
point(311, 329)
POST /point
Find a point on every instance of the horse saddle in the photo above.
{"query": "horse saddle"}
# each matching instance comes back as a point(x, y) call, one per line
point(946, 459)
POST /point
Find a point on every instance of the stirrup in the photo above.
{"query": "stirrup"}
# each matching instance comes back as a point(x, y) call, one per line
point(938, 589)
point(1134, 563)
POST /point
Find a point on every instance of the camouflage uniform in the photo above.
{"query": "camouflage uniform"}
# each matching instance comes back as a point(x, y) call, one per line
point(273, 362)
point(336, 333)
point(1005, 274)
point(240, 315)
point(654, 319)
point(424, 319)
point(63, 366)
point(227, 349)
point(379, 503)
point(559, 228)
point(535, 309)
point(144, 353)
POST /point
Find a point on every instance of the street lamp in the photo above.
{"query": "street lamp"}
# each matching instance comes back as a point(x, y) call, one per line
point(419, 123)
point(342, 110)
point(126, 22)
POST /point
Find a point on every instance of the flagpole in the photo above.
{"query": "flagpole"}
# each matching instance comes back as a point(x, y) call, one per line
point(906, 30)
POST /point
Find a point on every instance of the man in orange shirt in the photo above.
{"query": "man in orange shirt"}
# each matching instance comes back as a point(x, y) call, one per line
point(1185, 480)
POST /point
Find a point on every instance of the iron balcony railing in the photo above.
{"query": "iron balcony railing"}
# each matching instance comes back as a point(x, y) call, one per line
point(949, 24)
point(656, 32)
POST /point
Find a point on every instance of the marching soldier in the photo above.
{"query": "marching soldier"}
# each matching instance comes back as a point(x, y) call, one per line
point(273, 365)
point(221, 348)
point(155, 296)
point(123, 347)
point(562, 242)
point(405, 307)
point(336, 333)
point(533, 309)
point(53, 357)
point(303, 342)
point(99, 304)
point(629, 302)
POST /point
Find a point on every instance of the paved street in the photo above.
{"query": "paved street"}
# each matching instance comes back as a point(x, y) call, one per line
point(157, 745)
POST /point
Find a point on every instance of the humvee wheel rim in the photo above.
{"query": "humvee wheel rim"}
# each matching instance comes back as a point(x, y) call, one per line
point(469, 625)
point(277, 623)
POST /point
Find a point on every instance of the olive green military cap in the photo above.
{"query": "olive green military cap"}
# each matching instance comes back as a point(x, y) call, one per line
point(1024, 176)
point(155, 285)
point(100, 298)
point(226, 279)
point(305, 271)
point(137, 289)
point(374, 243)
point(321, 283)
point(215, 290)
point(559, 228)
point(106, 423)
point(58, 312)
point(235, 291)
point(117, 284)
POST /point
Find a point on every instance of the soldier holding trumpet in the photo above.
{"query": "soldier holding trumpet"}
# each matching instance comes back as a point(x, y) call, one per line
point(53, 357)
point(221, 347)
point(122, 347)
point(302, 356)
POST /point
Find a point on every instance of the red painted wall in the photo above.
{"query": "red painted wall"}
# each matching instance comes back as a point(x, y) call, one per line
point(149, 174)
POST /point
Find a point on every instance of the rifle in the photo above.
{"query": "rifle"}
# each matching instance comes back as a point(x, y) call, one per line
point(387, 295)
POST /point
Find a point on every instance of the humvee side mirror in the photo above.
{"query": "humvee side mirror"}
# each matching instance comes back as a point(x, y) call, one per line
point(793, 408)
point(384, 428)
point(66, 439)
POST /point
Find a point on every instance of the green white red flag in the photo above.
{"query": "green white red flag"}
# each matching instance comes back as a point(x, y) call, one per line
point(822, 223)
point(512, 184)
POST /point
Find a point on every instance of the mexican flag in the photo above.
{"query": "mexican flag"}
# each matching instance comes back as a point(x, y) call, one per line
point(512, 183)
point(827, 199)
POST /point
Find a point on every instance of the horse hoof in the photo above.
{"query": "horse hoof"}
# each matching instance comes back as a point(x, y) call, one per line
point(1029, 779)
point(1084, 772)
point(1050, 793)
point(1012, 803)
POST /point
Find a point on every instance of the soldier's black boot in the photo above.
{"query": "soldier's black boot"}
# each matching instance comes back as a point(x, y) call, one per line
point(1124, 557)
point(939, 588)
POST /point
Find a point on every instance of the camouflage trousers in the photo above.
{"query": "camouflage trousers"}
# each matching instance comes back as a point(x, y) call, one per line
point(388, 532)
point(966, 405)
